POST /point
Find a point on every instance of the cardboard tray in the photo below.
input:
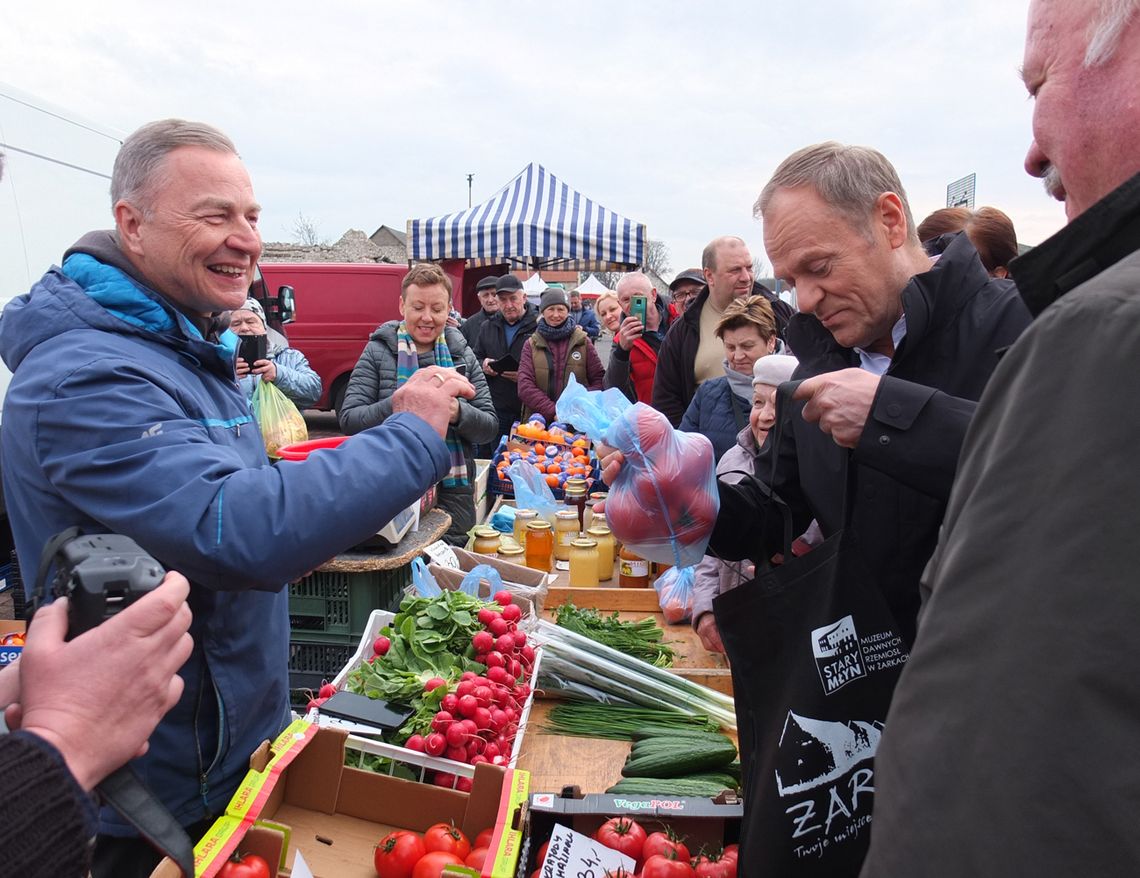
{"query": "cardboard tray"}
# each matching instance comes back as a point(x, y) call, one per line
point(524, 582)
point(300, 797)
point(701, 821)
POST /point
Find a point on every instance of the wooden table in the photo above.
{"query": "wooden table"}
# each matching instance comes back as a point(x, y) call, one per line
point(556, 761)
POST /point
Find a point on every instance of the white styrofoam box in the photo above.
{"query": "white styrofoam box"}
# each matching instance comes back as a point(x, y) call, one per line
point(376, 623)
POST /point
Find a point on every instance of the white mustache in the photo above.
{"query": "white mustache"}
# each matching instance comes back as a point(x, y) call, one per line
point(1054, 188)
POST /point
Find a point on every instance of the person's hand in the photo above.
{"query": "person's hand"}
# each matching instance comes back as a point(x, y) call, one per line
point(840, 403)
point(487, 370)
point(709, 633)
point(454, 410)
point(452, 321)
point(241, 367)
point(267, 369)
point(10, 684)
point(511, 375)
point(97, 698)
point(610, 460)
point(430, 393)
point(630, 331)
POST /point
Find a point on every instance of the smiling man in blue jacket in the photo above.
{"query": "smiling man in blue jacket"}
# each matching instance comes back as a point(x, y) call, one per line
point(124, 415)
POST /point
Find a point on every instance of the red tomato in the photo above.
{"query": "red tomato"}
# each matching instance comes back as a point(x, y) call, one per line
point(713, 866)
point(732, 850)
point(622, 834)
point(431, 866)
point(660, 866)
point(476, 858)
point(483, 839)
point(664, 843)
point(445, 837)
point(397, 854)
point(248, 866)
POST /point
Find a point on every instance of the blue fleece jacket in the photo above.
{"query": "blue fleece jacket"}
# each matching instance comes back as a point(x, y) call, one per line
point(122, 418)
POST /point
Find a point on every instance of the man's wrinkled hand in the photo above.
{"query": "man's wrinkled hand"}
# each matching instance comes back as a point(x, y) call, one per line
point(430, 393)
point(839, 402)
point(709, 633)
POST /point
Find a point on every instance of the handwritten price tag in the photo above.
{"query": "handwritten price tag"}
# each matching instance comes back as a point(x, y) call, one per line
point(440, 552)
point(573, 855)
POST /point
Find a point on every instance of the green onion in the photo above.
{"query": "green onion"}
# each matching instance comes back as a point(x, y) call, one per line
point(616, 723)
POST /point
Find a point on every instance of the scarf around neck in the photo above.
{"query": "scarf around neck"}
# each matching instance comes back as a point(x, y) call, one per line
point(556, 333)
point(741, 384)
point(407, 361)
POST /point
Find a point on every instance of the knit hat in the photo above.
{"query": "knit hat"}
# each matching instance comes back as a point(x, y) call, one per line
point(254, 306)
point(553, 296)
point(774, 369)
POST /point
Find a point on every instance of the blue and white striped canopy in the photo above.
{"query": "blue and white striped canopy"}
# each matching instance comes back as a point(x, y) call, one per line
point(535, 220)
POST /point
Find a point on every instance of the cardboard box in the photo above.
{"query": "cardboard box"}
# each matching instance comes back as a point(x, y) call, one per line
point(311, 803)
point(701, 821)
point(9, 654)
point(521, 581)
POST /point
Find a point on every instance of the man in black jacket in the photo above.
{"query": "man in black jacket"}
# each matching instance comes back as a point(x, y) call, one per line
point(490, 307)
point(1010, 747)
point(504, 334)
point(692, 352)
point(900, 350)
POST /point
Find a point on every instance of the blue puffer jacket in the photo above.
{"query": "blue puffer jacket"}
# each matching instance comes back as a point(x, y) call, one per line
point(711, 412)
point(295, 377)
point(121, 418)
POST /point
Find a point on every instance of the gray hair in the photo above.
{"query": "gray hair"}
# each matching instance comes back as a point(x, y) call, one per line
point(848, 178)
point(708, 255)
point(1106, 28)
point(141, 157)
point(635, 277)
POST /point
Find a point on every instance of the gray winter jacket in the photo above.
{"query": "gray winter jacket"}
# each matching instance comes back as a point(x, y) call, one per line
point(368, 401)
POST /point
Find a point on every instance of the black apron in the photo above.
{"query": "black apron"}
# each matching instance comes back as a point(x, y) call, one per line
point(815, 654)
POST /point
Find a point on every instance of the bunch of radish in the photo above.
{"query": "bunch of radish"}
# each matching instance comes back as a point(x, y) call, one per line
point(479, 717)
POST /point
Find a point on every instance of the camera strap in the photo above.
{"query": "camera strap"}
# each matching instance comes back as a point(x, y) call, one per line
point(123, 790)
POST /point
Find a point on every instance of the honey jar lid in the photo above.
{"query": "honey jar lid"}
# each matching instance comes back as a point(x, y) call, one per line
point(540, 524)
point(584, 544)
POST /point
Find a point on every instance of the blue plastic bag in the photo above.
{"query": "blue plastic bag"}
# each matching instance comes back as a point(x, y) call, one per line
point(422, 580)
point(470, 583)
point(504, 519)
point(675, 593)
point(531, 490)
point(664, 502)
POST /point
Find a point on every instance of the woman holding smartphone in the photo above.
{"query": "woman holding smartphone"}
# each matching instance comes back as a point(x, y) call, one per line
point(393, 353)
point(265, 355)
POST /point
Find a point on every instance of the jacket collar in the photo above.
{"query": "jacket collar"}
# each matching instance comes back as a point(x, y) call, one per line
point(1097, 239)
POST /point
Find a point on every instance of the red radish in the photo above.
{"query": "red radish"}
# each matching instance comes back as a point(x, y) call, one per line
point(512, 613)
point(477, 758)
point(516, 668)
point(483, 695)
point(435, 744)
point(314, 703)
point(467, 675)
point(328, 690)
point(381, 645)
point(527, 654)
point(493, 659)
point(498, 626)
point(468, 704)
point(503, 598)
point(482, 718)
point(469, 727)
point(498, 718)
point(498, 675)
point(465, 687)
point(415, 742)
point(463, 784)
point(455, 735)
point(450, 703)
point(443, 779)
point(434, 683)
point(519, 638)
point(505, 644)
point(492, 750)
point(485, 616)
point(441, 721)
point(475, 746)
point(483, 642)
point(459, 754)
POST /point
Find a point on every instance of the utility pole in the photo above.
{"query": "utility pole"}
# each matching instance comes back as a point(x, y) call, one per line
point(470, 177)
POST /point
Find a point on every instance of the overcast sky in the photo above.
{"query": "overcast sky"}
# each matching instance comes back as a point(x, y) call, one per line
point(672, 113)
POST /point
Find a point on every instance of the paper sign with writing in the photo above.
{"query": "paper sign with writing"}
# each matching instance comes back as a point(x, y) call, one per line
point(440, 552)
point(573, 855)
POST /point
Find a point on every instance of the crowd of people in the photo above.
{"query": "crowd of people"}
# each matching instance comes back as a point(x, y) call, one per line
point(969, 415)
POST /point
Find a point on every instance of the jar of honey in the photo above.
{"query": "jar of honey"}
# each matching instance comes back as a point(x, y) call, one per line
point(486, 541)
point(574, 494)
point(633, 570)
point(521, 518)
point(584, 564)
point(539, 545)
point(605, 540)
point(512, 552)
point(565, 532)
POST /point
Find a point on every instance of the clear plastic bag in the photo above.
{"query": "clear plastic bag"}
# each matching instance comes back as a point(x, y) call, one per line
point(422, 580)
point(280, 422)
point(675, 593)
point(531, 490)
point(664, 502)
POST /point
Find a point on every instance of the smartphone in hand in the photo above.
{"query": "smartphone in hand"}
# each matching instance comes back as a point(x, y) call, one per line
point(639, 308)
point(461, 368)
point(253, 348)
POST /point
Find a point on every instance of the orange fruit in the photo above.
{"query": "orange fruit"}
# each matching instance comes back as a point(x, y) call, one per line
point(540, 448)
point(552, 481)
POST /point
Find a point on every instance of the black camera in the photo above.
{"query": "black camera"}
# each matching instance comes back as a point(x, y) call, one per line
point(101, 574)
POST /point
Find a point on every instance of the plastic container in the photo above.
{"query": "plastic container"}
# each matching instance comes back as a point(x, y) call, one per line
point(301, 450)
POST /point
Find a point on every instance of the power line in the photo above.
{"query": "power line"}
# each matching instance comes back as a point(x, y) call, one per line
point(48, 158)
point(59, 116)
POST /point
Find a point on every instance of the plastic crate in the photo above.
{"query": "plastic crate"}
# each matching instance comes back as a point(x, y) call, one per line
point(334, 607)
point(312, 663)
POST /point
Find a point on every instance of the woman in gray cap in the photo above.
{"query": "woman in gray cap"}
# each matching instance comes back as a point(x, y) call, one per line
point(559, 348)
